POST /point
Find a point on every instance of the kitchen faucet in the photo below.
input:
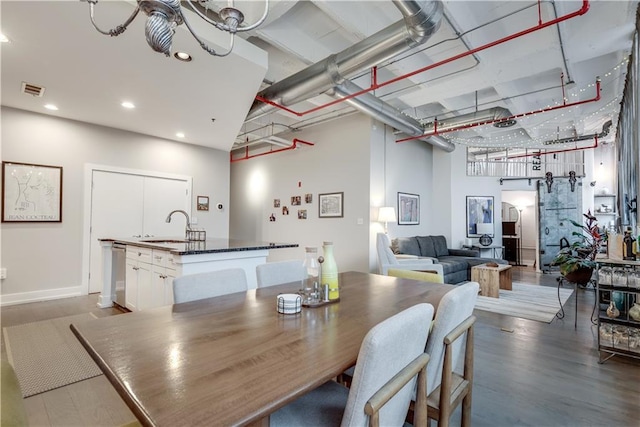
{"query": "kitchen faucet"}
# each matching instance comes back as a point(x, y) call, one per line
point(188, 228)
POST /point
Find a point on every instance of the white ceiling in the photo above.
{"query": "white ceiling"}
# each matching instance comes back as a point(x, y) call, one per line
point(87, 74)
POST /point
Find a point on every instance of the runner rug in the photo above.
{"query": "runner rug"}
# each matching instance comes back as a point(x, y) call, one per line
point(530, 302)
point(46, 355)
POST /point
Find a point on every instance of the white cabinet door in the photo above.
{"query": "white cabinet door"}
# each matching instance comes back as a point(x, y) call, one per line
point(168, 286)
point(116, 211)
point(144, 286)
point(161, 196)
point(156, 297)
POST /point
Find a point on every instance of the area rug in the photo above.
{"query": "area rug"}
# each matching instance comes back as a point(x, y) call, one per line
point(46, 355)
point(530, 302)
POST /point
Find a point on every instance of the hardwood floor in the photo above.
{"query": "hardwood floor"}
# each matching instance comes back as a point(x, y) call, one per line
point(527, 373)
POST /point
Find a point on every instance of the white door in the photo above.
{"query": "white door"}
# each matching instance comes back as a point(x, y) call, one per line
point(161, 196)
point(129, 205)
point(116, 211)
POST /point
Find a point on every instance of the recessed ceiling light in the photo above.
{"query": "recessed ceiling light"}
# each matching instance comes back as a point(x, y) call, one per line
point(180, 135)
point(182, 56)
point(127, 104)
point(4, 39)
point(51, 107)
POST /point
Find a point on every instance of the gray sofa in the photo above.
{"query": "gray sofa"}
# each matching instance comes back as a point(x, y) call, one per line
point(456, 263)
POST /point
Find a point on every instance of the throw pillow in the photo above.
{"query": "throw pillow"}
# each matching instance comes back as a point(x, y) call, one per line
point(426, 246)
point(440, 245)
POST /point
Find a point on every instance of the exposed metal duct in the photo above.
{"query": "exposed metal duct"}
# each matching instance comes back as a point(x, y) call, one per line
point(605, 131)
point(388, 114)
point(421, 20)
point(488, 115)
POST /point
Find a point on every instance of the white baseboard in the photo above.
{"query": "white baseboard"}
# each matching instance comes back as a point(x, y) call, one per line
point(44, 295)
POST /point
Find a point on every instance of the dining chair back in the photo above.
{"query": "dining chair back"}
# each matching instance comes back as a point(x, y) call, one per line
point(275, 273)
point(198, 286)
point(453, 321)
point(390, 363)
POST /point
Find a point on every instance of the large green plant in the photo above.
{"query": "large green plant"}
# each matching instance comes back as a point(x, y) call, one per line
point(582, 252)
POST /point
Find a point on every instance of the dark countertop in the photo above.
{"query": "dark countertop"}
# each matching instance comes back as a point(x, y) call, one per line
point(180, 246)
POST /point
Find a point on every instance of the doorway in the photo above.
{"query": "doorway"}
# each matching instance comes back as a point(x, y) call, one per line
point(520, 227)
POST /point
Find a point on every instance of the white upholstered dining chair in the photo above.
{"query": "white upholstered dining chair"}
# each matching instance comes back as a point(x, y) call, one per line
point(387, 259)
point(390, 358)
point(275, 273)
point(450, 339)
point(197, 286)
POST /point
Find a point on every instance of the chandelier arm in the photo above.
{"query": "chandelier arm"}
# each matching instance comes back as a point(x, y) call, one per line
point(117, 30)
point(204, 46)
point(216, 24)
point(260, 21)
point(225, 27)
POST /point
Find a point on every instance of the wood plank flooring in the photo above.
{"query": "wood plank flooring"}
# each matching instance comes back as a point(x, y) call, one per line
point(527, 373)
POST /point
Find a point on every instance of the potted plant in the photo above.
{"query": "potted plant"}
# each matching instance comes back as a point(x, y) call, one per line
point(577, 260)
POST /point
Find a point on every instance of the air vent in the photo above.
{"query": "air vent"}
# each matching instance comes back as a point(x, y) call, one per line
point(33, 90)
point(505, 123)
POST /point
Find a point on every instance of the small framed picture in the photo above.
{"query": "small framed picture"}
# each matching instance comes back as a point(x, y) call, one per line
point(302, 214)
point(330, 205)
point(308, 198)
point(203, 203)
point(31, 193)
point(296, 200)
point(276, 203)
point(408, 209)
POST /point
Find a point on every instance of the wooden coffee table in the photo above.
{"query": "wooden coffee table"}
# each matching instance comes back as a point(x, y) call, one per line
point(492, 279)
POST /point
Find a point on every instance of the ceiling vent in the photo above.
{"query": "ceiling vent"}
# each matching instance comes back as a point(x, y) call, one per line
point(33, 90)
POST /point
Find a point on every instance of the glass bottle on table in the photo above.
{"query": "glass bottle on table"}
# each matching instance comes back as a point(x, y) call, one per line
point(311, 287)
point(330, 271)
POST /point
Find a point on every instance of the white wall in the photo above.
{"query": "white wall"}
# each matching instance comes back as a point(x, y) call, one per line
point(44, 260)
point(338, 162)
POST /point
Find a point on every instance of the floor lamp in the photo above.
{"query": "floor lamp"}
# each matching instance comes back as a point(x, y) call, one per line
point(520, 208)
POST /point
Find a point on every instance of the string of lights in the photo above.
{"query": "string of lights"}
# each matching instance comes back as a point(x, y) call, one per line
point(537, 133)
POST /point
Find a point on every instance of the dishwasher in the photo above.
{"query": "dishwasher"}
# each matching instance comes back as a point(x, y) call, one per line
point(119, 269)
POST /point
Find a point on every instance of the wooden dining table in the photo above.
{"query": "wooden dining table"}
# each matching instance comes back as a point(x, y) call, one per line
point(233, 359)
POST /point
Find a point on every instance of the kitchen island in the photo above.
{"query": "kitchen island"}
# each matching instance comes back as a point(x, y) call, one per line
point(153, 263)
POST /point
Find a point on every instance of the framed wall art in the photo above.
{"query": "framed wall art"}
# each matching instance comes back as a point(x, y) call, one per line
point(479, 211)
point(408, 209)
point(203, 203)
point(31, 193)
point(330, 205)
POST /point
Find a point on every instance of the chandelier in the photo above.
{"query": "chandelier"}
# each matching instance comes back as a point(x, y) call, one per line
point(163, 16)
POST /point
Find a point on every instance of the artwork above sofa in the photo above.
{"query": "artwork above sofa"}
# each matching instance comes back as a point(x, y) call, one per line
point(456, 263)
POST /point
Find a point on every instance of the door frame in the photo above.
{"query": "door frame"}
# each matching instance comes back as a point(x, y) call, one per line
point(89, 168)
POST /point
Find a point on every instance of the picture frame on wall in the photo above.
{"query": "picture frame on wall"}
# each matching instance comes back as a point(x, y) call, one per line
point(480, 210)
point(203, 203)
point(330, 205)
point(408, 209)
point(31, 192)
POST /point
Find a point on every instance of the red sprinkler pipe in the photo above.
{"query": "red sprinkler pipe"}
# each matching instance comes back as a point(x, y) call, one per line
point(595, 145)
point(293, 146)
point(515, 116)
point(584, 9)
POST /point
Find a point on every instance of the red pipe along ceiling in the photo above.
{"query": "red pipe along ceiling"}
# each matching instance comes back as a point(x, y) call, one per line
point(595, 145)
point(515, 116)
point(246, 156)
point(375, 85)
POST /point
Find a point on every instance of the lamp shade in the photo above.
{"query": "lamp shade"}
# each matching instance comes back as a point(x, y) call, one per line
point(386, 214)
point(484, 228)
